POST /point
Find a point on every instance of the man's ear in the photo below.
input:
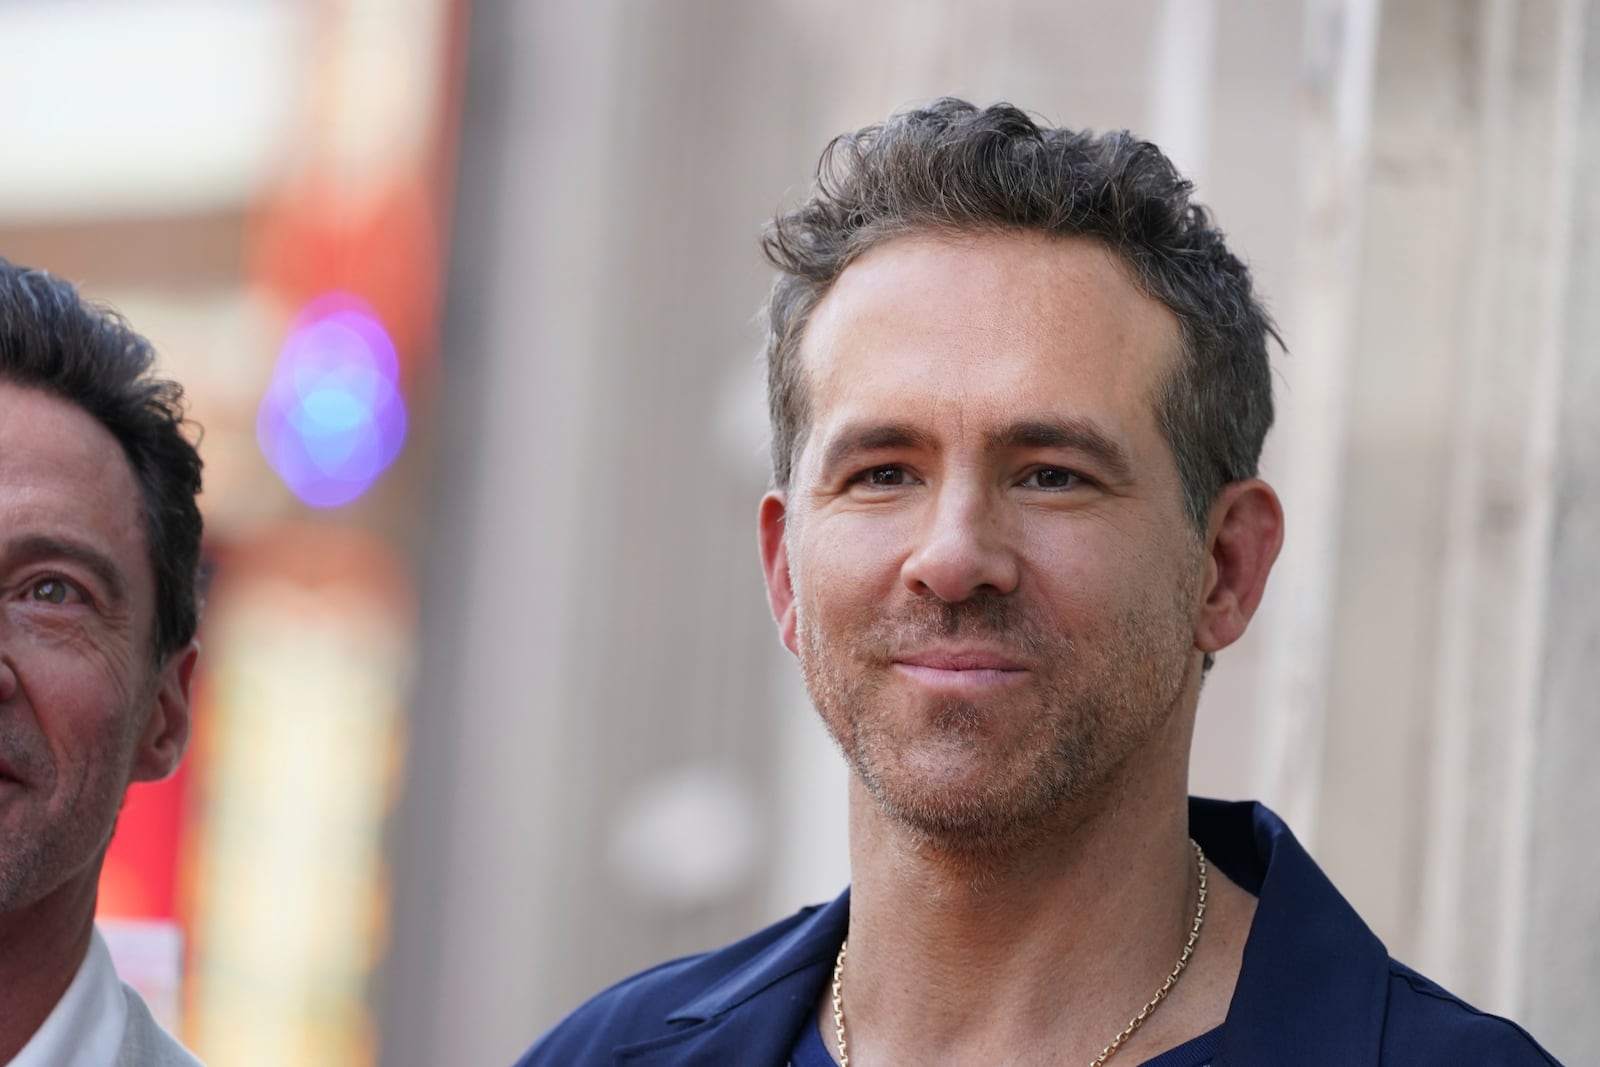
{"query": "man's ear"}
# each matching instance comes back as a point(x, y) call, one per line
point(166, 732)
point(775, 564)
point(1243, 538)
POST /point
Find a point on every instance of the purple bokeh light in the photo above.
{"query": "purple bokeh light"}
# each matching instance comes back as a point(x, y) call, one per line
point(333, 418)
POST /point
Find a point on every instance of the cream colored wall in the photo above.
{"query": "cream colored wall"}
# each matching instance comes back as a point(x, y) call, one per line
point(613, 761)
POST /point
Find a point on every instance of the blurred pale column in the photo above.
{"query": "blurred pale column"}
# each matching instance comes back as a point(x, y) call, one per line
point(1560, 932)
point(1444, 780)
point(1305, 453)
point(491, 815)
point(593, 736)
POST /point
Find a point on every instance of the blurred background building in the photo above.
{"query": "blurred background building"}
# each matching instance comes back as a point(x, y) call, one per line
point(263, 188)
point(491, 711)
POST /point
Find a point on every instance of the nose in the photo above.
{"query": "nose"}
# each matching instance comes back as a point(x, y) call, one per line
point(966, 545)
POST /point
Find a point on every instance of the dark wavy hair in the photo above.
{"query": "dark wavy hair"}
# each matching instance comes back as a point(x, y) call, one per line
point(953, 168)
point(53, 340)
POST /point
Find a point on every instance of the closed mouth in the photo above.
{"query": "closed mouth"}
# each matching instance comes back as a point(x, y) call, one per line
point(959, 671)
point(959, 659)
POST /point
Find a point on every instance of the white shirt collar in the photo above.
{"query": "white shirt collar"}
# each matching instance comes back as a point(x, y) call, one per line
point(85, 1027)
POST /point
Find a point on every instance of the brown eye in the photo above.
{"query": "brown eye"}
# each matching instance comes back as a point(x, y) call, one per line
point(886, 476)
point(51, 591)
point(1052, 478)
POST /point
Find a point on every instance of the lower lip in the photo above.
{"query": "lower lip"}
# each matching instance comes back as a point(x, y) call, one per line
point(977, 680)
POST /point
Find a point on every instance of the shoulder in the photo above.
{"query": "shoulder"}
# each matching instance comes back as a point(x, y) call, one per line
point(676, 996)
point(634, 1009)
point(1318, 980)
point(1426, 1023)
point(145, 1043)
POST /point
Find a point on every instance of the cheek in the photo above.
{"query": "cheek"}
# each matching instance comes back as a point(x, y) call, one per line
point(80, 702)
point(1098, 570)
point(1075, 555)
point(96, 644)
point(847, 561)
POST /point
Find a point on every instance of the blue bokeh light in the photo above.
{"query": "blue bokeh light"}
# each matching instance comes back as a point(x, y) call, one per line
point(333, 418)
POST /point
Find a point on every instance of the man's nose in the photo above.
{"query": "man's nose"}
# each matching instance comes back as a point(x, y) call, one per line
point(967, 543)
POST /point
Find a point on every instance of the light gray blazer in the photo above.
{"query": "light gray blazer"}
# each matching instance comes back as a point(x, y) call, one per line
point(145, 1044)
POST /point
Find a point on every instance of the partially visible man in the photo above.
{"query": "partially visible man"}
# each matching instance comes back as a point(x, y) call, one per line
point(99, 548)
point(1019, 388)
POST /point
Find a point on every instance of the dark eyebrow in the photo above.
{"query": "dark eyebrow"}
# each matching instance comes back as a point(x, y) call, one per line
point(44, 546)
point(870, 437)
point(1077, 435)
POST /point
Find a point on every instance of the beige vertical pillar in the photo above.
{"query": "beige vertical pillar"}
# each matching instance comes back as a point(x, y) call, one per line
point(1561, 896)
point(1339, 38)
point(487, 821)
point(1459, 558)
point(1559, 931)
point(1496, 539)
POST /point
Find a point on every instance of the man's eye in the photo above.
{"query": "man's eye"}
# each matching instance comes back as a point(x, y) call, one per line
point(1051, 478)
point(51, 591)
point(885, 476)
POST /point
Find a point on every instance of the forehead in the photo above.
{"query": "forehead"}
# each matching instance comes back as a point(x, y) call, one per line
point(970, 330)
point(64, 477)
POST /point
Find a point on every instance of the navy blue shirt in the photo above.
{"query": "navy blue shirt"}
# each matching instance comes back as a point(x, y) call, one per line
point(1316, 989)
point(809, 1051)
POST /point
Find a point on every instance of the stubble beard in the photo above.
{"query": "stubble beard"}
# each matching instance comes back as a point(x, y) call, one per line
point(41, 854)
point(1019, 764)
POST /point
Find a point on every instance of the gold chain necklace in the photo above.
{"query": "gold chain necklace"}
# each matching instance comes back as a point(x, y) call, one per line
point(1127, 1031)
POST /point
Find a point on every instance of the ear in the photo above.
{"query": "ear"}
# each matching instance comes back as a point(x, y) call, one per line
point(1243, 538)
point(771, 525)
point(166, 733)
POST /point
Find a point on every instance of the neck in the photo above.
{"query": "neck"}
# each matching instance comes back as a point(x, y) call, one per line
point(41, 948)
point(1052, 946)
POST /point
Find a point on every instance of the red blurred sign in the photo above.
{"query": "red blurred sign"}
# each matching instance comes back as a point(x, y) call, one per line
point(140, 877)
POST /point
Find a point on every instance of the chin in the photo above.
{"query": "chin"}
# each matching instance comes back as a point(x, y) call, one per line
point(970, 799)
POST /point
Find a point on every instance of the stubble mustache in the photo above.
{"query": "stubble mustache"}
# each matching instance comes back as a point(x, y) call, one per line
point(994, 618)
point(21, 754)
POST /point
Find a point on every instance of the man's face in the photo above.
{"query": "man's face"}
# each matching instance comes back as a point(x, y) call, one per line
point(83, 708)
point(983, 563)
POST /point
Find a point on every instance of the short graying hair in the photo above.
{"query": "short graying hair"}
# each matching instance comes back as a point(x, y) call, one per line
point(953, 168)
point(55, 341)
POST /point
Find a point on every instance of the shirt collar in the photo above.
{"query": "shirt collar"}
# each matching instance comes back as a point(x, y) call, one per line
point(1314, 976)
point(86, 1024)
point(813, 943)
